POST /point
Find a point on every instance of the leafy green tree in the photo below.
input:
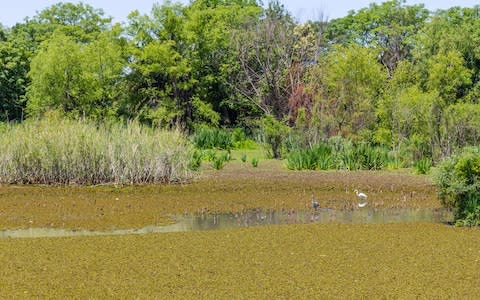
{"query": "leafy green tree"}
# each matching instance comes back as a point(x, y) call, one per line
point(410, 121)
point(460, 126)
point(80, 80)
point(79, 21)
point(180, 58)
point(56, 75)
point(14, 64)
point(448, 75)
point(347, 84)
point(388, 27)
point(20, 44)
point(209, 25)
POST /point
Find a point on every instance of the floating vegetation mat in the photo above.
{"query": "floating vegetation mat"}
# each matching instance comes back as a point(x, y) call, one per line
point(235, 188)
point(313, 261)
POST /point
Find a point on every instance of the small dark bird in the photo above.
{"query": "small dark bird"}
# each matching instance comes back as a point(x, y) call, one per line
point(315, 204)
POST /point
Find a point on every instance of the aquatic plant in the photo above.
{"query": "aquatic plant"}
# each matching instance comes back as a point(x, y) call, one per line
point(290, 261)
point(196, 160)
point(243, 157)
point(423, 166)
point(338, 154)
point(210, 138)
point(56, 150)
point(219, 162)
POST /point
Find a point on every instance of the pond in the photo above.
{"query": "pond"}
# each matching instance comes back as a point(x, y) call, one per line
point(256, 217)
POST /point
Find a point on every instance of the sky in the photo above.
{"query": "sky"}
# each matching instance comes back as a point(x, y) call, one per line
point(14, 11)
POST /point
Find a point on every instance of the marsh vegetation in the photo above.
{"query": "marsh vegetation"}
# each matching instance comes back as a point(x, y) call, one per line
point(218, 107)
point(63, 151)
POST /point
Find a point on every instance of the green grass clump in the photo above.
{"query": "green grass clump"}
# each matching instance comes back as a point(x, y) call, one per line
point(195, 160)
point(219, 162)
point(61, 151)
point(255, 162)
point(423, 166)
point(342, 155)
point(243, 157)
point(210, 138)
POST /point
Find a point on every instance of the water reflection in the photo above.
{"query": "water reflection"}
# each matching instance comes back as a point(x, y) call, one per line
point(248, 218)
point(325, 215)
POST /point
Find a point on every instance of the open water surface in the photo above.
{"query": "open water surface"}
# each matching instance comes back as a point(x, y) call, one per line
point(257, 217)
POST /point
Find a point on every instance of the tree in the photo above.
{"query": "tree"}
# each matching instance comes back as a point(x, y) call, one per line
point(186, 82)
point(160, 82)
point(79, 21)
point(56, 76)
point(19, 44)
point(346, 85)
point(448, 75)
point(14, 64)
point(80, 80)
point(460, 126)
point(388, 27)
point(265, 52)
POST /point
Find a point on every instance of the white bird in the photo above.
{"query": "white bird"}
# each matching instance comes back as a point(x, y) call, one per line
point(363, 197)
point(315, 203)
point(362, 204)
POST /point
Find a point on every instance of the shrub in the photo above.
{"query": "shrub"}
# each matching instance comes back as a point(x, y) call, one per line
point(470, 219)
point(254, 162)
point(295, 160)
point(62, 151)
point(458, 179)
point(274, 132)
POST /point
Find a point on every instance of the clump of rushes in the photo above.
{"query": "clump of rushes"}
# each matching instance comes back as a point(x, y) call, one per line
point(243, 157)
point(219, 162)
point(195, 160)
point(61, 151)
point(255, 162)
point(423, 166)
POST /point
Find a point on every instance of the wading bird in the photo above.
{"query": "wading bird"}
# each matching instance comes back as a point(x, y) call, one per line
point(362, 197)
point(315, 204)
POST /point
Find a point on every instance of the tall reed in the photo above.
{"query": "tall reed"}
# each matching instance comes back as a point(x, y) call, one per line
point(338, 154)
point(65, 151)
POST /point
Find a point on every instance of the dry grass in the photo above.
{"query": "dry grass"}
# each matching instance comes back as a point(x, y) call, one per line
point(404, 261)
point(62, 151)
point(238, 186)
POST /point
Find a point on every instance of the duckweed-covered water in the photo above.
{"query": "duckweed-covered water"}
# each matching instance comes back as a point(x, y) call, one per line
point(256, 217)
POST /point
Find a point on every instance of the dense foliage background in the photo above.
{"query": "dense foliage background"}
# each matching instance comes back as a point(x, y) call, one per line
point(398, 78)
